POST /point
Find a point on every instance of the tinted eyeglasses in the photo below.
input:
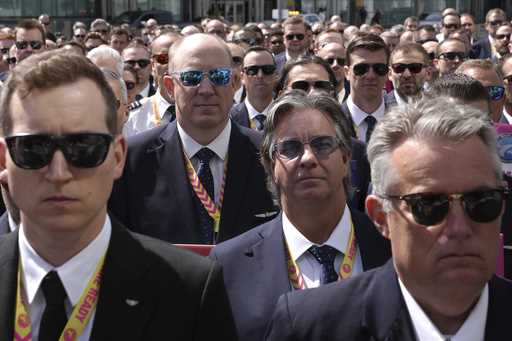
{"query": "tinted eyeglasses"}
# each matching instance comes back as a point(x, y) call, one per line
point(23, 44)
point(298, 36)
point(451, 56)
point(276, 42)
point(432, 55)
point(104, 31)
point(306, 86)
point(129, 85)
point(413, 67)
point(34, 151)
point(218, 76)
point(79, 36)
point(496, 92)
point(503, 36)
point(237, 60)
point(361, 69)
point(162, 58)
point(253, 70)
point(428, 209)
point(4, 50)
point(141, 62)
point(421, 42)
point(339, 61)
point(290, 149)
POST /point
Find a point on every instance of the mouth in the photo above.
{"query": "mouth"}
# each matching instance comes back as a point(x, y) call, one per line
point(59, 198)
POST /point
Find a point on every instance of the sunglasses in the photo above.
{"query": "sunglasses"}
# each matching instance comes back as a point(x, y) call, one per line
point(79, 35)
point(496, 92)
point(339, 61)
point(253, 70)
point(23, 44)
point(298, 36)
point(82, 150)
point(11, 60)
point(432, 55)
point(361, 69)
point(421, 42)
point(161, 59)
point(467, 25)
point(129, 85)
point(276, 42)
point(413, 67)
point(321, 146)
point(305, 85)
point(503, 36)
point(4, 50)
point(451, 26)
point(495, 23)
point(142, 63)
point(453, 56)
point(237, 60)
point(428, 209)
point(218, 77)
point(101, 31)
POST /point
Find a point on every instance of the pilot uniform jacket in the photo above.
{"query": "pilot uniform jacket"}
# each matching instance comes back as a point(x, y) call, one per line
point(369, 307)
point(154, 196)
point(150, 290)
point(255, 269)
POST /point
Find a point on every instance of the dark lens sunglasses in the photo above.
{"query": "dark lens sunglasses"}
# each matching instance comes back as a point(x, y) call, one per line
point(237, 60)
point(496, 23)
point(161, 59)
point(321, 146)
point(254, 69)
point(428, 209)
point(361, 69)
point(451, 26)
point(305, 85)
point(276, 42)
point(79, 35)
point(453, 55)
point(218, 76)
point(23, 44)
point(339, 61)
point(142, 63)
point(503, 36)
point(129, 85)
point(413, 67)
point(11, 60)
point(83, 150)
point(4, 50)
point(432, 55)
point(496, 92)
point(298, 36)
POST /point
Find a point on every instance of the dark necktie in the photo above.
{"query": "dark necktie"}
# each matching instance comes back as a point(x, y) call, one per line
point(260, 121)
point(370, 122)
point(205, 176)
point(169, 114)
point(54, 316)
point(325, 255)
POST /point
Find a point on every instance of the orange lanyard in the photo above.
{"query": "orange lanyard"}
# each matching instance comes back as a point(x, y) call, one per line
point(156, 112)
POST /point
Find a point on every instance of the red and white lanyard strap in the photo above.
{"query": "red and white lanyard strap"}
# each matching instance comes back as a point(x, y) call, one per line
point(346, 267)
point(78, 319)
point(207, 202)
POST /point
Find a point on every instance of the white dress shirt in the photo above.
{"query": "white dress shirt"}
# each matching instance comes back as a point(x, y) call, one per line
point(358, 116)
point(507, 115)
point(253, 112)
point(298, 245)
point(74, 274)
point(399, 100)
point(473, 328)
point(145, 91)
point(219, 146)
point(143, 118)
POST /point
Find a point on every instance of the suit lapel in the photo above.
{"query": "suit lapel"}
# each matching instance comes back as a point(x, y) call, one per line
point(500, 296)
point(8, 270)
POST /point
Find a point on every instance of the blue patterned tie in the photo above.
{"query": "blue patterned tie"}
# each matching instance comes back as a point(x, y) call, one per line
point(205, 176)
point(325, 255)
point(260, 121)
point(370, 122)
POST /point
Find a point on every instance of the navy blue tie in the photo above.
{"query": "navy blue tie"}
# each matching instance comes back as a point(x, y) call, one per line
point(325, 255)
point(169, 114)
point(260, 121)
point(370, 122)
point(54, 316)
point(205, 176)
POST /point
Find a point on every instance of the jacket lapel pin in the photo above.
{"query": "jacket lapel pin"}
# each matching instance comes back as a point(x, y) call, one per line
point(131, 303)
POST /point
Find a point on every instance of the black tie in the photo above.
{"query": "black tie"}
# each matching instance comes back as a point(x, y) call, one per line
point(370, 122)
point(54, 316)
point(325, 255)
point(260, 121)
point(169, 114)
point(205, 176)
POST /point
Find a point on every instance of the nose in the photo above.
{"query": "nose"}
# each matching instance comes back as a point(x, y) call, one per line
point(58, 169)
point(308, 157)
point(205, 87)
point(407, 73)
point(457, 224)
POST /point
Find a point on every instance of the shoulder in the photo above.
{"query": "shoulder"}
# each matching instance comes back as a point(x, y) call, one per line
point(255, 137)
point(238, 108)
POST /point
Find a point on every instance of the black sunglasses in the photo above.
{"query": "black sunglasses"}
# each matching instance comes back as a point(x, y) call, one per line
point(428, 209)
point(276, 42)
point(79, 35)
point(218, 77)
point(450, 26)
point(4, 50)
point(104, 31)
point(298, 36)
point(23, 44)
point(495, 23)
point(503, 36)
point(305, 85)
point(129, 85)
point(413, 67)
point(253, 70)
point(421, 42)
point(361, 69)
point(11, 60)
point(339, 61)
point(431, 55)
point(142, 63)
point(453, 55)
point(82, 150)
point(293, 148)
point(237, 60)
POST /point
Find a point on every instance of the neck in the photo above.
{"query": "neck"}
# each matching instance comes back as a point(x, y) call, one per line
point(165, 95)
point(203, 136)
point(295, 55)
point(368, 105)
point(260, 103)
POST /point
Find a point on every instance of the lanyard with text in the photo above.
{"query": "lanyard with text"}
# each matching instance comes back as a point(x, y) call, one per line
point(79, 316)
point(208, 203)
point(346, 266)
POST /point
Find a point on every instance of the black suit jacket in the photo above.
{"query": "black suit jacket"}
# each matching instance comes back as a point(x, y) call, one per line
point(154, 196)
point(180, 294)
point(4, 224)
point(482, 49)
point(255, 270)
point(368, 307)
point(240, 114)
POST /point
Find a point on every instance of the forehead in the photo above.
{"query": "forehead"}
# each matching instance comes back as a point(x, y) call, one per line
point(466, 19)
point(453, 46)
point(162, 44)
point(134, 52)
point(485, 76)
point(214, 25)
point(294, 28)
point(505, 29)
point(430, 46)
point(496, 16)
point(204, 54)
point(99, 26)
point(31, 34)
point(361, 55)
point(119, 37)
point(258, 58)
point(309, 72)
point(452, 19)
point(407, 57)
point(308, 122)
point(332, 50)
point(236, 50)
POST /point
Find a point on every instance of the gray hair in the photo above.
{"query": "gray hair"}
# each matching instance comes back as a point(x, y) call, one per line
point(427, 119)
point(106, 52)
point(290, 101)
point(112, 75)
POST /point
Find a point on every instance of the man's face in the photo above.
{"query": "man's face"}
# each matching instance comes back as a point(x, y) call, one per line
point(443, 264)
point(28, 42)
point(423, 36)
point(443, 62)
point(310, 74)
point(92, 43)
point(326, 38)
point(61, 198)
point(334, 54)
point(432, 72)
point(450, 23)
point(309, 177)
point(369, 84)
point(259, 85)
point(119, 42)
point(468, 24)
point(489, 78)
point(502, 39)
point(134, 54)
point(103, 30)
point(237, 55)
point(292, 41)
point(216, 27)
point(277, 44)
point(79, 35)
point(507, 80)
point(406, 82)
point(411, 25)
point(5, 45)
point(493, 22)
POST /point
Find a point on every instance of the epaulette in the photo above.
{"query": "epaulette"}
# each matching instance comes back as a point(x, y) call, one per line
point(134, 105)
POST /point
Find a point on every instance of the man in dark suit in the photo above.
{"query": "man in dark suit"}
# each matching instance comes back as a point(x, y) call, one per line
point(443, 225)
point(306, 152)
point(70, 271)
point(295, 41)
point(506, 73)
point(198, 179)
point(483, 49)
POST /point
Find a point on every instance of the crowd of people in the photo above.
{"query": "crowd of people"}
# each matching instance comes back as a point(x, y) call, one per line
point(347, 182)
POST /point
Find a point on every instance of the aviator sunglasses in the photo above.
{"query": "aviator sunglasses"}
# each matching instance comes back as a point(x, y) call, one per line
point(361, 69)
point(23, 44)
point(306, 86)
point(82, 150)
point(218, 76)
point(142, 63)
point(496, 92)
point(481, 206)
point(293, 148)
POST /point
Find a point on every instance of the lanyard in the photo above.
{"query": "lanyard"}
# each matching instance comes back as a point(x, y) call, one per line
point(346, 267)
point(156, 112)
point(77, 320)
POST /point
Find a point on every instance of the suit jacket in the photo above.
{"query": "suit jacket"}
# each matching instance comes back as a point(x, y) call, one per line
point(482, 49)
point(368, 307)
point(154, 196)
point(180, 294)
point(360, 176)
point(280, 61)
point(4, 224)
point(240, 114)
point(255, 270)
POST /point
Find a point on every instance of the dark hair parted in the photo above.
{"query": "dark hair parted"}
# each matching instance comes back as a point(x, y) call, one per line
point(367, 41)
point(407, 48)
point(458, 86)
point(32, 24)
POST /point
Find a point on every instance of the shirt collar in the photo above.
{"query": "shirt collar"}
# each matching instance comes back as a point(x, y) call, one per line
point(219, 145)
point(145, 91)
point(473, 328)
point(358, 115)
point(162, 103)
point(507, 115)
point(74, 274)
point(253, 112)
point(298, 244)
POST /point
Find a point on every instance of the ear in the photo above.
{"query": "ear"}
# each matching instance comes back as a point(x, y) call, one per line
point(169, 84)
point(346, 68)
point(375, 210)
point(120, 149)
point(389, 74)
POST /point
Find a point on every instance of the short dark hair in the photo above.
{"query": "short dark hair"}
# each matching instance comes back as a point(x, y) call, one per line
point(119, 31)
point(259, 48)
point(459, 86)
point(367, 41)
point(31, 24)
point(411, 47)
point(427, 28)
point(448, 40)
